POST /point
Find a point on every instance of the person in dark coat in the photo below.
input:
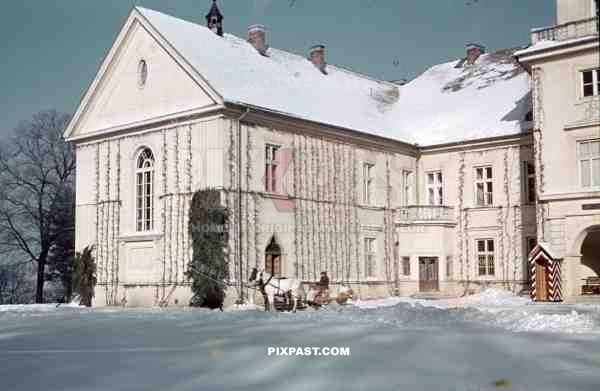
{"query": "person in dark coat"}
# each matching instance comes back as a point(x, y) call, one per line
point(324, 282)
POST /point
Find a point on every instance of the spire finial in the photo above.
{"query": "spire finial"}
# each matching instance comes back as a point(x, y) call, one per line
point(214, 19)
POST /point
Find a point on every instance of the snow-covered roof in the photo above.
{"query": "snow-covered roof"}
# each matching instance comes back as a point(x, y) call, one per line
point(548, 44)
point(444, 104)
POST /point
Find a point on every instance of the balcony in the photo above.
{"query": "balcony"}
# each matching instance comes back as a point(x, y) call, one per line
point(426, 213)
point(562, 32)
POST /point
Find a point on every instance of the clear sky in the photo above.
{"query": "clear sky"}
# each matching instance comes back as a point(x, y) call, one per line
point(51, 49)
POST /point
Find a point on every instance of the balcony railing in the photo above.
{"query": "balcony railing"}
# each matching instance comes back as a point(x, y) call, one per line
point(562, 32)
point(426, 213)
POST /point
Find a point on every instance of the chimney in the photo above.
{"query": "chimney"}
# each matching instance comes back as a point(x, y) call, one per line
point(317, 57)
point(258, 38)
point(474, 50)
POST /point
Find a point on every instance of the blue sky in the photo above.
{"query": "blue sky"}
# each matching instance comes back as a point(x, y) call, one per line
point(52, 48)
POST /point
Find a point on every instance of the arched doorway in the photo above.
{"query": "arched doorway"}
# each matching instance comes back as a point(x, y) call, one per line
point(589, 271)
point(273, 258)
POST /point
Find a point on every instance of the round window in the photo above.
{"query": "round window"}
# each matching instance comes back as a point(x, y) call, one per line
point(142, 73)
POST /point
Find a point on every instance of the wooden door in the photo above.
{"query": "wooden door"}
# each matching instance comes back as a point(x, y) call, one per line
point(273, 265)
point(541, 282)
point(428, 274)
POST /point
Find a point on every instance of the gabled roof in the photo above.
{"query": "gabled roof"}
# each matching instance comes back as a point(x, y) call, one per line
point(542, 249)
point(444, 104)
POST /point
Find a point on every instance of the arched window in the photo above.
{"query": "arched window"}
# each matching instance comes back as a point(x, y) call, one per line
point(144, 191)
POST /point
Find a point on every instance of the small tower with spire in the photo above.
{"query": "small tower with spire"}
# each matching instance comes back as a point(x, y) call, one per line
point(214, 19)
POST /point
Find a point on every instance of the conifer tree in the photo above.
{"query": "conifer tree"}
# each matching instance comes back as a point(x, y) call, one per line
point(84, 276)
point(208, 269)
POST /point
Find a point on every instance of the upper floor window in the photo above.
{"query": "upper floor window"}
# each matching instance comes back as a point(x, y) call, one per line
point(590, 82)
point(484, 186)
point(369, 257)
point(144, 191)
point(529, 174)
point(368, 178)
point(485, 257)
point(407, 187)
point(435, 188)
point(271, 166)
point(588, 155)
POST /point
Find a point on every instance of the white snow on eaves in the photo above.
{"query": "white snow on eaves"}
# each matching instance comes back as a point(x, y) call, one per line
point(487, 104)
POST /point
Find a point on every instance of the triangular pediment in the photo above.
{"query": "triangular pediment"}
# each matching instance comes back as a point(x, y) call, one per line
point(124, 94)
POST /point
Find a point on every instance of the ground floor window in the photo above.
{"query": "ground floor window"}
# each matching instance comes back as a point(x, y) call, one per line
point(369, 257)
point(449, 266)
point(485, 257)
point(406, 266)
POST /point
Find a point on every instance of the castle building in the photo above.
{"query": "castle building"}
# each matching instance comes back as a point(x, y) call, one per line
point(564, 63)
point(433, 186)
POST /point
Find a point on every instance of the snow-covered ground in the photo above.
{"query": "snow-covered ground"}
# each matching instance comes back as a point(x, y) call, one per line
point(484, 342)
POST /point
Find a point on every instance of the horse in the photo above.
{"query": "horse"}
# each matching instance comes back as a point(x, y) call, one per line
point(273, 286)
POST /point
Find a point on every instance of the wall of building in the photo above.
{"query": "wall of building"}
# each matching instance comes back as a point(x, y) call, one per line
point(508, 221)
point(564, 118)
point(144, 267)
point(572, 10)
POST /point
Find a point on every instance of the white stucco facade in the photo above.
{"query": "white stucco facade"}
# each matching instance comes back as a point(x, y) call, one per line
point(568, 206)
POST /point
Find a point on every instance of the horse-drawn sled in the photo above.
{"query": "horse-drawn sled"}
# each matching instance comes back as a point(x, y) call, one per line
point(289, 294)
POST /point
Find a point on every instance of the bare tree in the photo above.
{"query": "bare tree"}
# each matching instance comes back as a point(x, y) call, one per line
point(36, 169)
point(15, 286)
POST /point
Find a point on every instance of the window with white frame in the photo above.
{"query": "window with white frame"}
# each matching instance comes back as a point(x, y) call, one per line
point(370, 257)
point(271, 166)
point(588, 155)
point(590, 82)
point(407, 187)
point(144, 190)
point(529, 175)
point(435, 188)
point(485, 257)
point(484, 186)
point(368, 179)
point(406, 266)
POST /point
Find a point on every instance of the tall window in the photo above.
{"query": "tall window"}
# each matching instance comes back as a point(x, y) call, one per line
point(590, 82)
point(271, 164)
point(588, 155)
point(407, 187)
point(529, 173)
point(406, 266)
point(435, 188)
point(368, 178)
point(369, 257)
point(485, 257)
point(449, 267)
point(145, 191)
point(484, 186)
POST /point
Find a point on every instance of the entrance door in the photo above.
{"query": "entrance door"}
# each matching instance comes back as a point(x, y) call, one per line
point(541, 282)
point(428, 274)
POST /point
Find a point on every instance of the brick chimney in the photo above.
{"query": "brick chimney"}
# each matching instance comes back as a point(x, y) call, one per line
point(474, 50)
point(317, 57)
point(258, 38)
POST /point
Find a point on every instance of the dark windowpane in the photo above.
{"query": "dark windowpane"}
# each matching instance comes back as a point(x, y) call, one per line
point(588, 90)
point(481, 245)
point(587, 77)
point(491, 268)
point(490, 244)
point(488, 172)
